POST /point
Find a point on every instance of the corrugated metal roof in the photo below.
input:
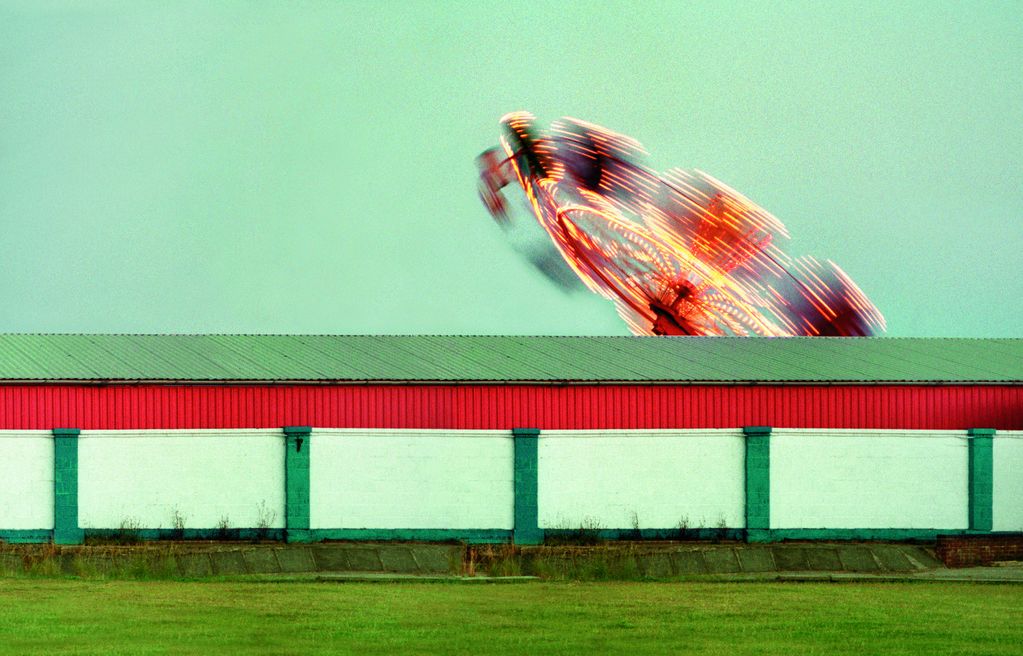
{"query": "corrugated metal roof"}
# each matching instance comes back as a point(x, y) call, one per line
point(26, 357)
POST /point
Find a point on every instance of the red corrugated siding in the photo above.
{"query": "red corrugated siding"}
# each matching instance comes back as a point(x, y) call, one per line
point(501, 406)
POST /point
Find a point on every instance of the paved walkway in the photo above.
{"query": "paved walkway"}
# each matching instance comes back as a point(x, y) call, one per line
point(964, 575)
point(1007, 574)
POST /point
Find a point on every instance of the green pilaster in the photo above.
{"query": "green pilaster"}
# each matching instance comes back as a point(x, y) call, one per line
point(981, 478)
point(527, 529)
point(758, 482)
point(296, 483)
point(65, 486)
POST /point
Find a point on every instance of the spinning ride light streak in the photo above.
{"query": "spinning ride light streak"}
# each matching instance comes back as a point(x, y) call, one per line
point(679, 252)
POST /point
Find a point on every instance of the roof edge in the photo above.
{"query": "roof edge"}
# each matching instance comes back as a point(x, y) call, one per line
point(503, 383)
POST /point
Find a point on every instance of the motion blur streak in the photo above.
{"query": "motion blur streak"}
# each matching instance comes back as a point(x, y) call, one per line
point(679, 252)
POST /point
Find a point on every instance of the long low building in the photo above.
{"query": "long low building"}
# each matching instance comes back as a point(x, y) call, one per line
point(490, 438)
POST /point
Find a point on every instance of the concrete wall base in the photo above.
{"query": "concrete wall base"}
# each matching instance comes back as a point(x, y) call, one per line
point(617, 560)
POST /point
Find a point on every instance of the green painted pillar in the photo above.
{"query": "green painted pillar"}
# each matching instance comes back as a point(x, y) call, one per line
point(758, 483)
point(65, 487)
point(981, 478)
point(296, 483)
point(527, 528)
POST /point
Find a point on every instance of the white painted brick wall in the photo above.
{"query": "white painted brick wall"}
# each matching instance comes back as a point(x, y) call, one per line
point(612, 479)
point(869, 479)
point(26, 480)
point(411, 479)
point(1008, 481)
point(464, 479)
point(143, 477)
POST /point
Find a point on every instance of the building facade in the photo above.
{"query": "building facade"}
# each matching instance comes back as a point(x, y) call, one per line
point(508, 438)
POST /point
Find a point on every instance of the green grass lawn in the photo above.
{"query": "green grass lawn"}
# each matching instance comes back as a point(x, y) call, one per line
point(150, 617)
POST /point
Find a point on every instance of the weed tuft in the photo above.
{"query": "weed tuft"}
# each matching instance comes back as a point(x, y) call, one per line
point(588, 534)
point(265, 517)
point(129, 532)
point(177, 525)
point(682, 528)
point(492, 560)
point(634, 533)
point(223, 528)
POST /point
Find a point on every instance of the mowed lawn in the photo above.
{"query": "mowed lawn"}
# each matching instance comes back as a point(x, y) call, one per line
point(152, 617)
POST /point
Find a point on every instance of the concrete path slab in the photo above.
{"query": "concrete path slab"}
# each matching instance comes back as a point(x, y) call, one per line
point(392, 577)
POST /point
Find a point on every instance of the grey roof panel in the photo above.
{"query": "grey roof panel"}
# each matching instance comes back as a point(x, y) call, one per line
point(435, 358)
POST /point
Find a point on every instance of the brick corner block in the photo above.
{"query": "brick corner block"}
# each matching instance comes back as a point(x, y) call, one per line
point(526, 529)
point(297, 441)
point(65, 487)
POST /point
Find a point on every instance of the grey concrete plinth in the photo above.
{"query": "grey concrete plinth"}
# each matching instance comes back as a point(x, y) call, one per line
point(892, 559)
point(823, 559)
point(228, 562)
point(790, 559)
point(364, 559)
point(436, 558)
point(621, 560)
point(656, 565)
point(857, 559)
point(756, 560)
point(261, 560)
point(721, 560)
point(689, 562)
point(330, 559)
point(194, 565)
point(295, 559)
point(398, 559)
point(11, 564)
point(920, 557)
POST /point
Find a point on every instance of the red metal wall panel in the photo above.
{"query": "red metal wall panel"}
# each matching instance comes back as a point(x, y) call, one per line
point(507, 406)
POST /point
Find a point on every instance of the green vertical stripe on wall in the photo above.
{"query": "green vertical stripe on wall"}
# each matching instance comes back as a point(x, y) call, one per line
point(296, 483)
point(758, 482)
point(65, 486)
point(981, 478)
point(527, 528)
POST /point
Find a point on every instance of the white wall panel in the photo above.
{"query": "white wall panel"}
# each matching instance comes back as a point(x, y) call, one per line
point(26, 480)
point(1008, 481)
point(658, 479)
point(142, 478)
point(869, 479)
point(438, 479)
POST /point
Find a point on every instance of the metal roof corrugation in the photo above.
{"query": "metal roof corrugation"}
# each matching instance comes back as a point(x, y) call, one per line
point(35, 357)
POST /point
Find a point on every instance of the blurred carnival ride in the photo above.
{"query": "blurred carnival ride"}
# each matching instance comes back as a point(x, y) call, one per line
point(679, 252)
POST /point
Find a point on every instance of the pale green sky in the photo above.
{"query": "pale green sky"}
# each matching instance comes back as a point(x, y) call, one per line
point(308, 167)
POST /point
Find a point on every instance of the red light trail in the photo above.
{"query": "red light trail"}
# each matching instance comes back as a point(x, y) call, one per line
point(679, 252)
